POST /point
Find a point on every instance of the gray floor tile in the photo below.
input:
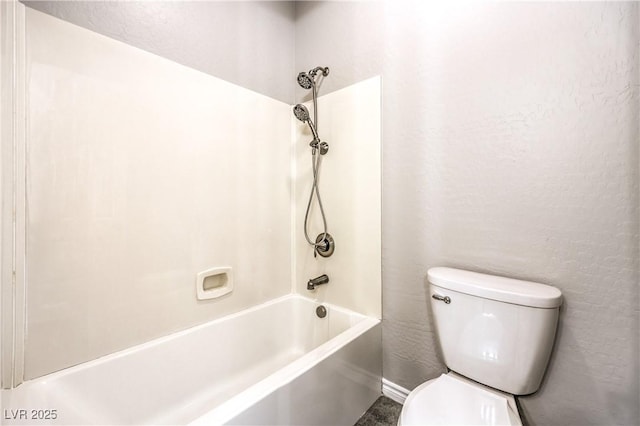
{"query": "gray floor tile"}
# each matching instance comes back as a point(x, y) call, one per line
point(383, 412)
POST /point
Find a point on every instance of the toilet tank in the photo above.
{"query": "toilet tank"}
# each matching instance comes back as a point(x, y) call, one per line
point(495, 330)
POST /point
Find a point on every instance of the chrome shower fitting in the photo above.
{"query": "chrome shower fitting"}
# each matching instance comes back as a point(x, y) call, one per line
point(302, 113)
point(324, 70)
point(307, 80)
point(324, 244)
point(323, 147)
point(314, 282)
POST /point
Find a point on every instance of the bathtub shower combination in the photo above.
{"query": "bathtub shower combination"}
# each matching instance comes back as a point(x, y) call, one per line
point(114, 241)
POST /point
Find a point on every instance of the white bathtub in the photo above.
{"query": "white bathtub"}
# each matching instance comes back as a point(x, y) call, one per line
point(276, 363)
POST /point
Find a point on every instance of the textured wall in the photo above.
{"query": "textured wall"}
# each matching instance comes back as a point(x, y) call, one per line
point(510, 146)
point(141, 173)
point(349, 35)
point(249, 43)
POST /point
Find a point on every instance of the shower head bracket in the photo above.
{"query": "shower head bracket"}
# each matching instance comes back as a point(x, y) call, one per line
point(323, 147)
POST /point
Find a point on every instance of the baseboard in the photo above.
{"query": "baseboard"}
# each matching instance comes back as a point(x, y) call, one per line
point(393, 391)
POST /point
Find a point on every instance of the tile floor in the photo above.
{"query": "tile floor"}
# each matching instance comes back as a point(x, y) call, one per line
point(383, 412)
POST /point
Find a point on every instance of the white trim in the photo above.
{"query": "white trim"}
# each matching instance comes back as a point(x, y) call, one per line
point(13, 192)
point(394, 391)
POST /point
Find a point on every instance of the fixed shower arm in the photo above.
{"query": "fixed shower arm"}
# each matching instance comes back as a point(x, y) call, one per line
point(324, 70)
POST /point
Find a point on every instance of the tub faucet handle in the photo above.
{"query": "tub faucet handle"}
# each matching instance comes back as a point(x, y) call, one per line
point(312, 283)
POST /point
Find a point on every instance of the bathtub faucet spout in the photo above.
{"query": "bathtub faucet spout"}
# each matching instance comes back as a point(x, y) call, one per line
point(322, 279)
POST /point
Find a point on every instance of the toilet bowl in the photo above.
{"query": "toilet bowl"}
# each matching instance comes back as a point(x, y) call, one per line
point(454, 400)
point(496, 336)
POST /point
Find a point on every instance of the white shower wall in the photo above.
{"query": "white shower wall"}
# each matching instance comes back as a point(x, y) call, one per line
point(350, 179)
point(141, 173)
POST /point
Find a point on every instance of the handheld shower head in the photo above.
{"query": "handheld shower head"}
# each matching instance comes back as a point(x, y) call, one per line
point(302, 113)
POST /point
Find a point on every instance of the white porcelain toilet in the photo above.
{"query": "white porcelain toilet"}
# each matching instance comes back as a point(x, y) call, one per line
point(496, 336)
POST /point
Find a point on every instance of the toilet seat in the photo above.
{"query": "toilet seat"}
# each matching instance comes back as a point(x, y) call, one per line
point(454, 400)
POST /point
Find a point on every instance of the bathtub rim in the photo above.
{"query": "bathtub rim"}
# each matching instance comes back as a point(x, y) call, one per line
point(42, 380)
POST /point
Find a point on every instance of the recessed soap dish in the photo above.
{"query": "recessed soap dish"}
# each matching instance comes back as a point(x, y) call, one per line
point(214, 282)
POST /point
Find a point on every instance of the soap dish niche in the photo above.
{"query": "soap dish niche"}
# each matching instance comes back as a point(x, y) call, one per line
point(214, 283)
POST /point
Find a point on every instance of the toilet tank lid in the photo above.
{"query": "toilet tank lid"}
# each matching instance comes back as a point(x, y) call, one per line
point(502, 289)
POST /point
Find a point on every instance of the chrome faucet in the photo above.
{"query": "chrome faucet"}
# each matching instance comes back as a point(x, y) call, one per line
point(322, 279)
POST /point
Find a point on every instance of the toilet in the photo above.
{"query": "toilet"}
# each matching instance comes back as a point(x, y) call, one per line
point(496, 336)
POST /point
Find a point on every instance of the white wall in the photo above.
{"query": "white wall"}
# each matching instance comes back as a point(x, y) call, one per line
point(249, 43)
point(140, 173)
point(510, 146)
point(349, 180)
